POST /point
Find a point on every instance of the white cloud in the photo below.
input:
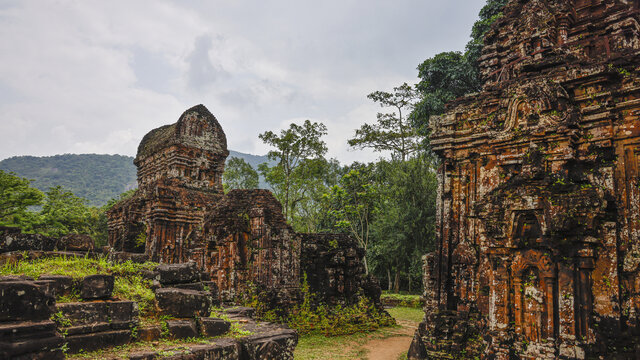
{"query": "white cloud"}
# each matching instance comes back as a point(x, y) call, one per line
point(95, 76)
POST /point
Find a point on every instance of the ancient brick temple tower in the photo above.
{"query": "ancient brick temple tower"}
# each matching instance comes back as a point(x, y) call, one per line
point(538, 247)
point(180, 170)
point(179, 213)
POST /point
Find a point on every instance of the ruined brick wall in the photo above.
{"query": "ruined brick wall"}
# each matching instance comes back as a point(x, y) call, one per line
point(248, 241)
point(538, 200)
point(333, 264)
point(179, 175)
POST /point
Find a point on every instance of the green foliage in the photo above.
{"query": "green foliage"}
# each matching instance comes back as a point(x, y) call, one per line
point(391, 132)
point(403, 300)
point(310, 317)
point(63, 213)
point(16, 195)
point(297, 149)
point(404, 224)
point(90, 176)
point(339, 320)
point(238, 174)
point(129, 284)
point(351, 204)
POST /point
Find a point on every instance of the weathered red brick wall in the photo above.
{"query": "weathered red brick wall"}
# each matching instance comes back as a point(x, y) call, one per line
point(248, 241)
point(538, 219)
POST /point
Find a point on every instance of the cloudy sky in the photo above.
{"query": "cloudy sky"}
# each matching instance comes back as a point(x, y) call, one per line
point(95, 76)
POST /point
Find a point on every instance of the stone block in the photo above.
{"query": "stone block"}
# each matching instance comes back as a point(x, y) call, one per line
point(240, 311)
point(12, 239)
point(62, 285)
point(84, 313)
point(96, 287)
point(183, 303)
point(212, 327)
point(273, 344)
point(178, 273)
point(122, 314)
point(76, 242)
point(121, 256)
point(29, 340)
point(197, 286)
point(24, 301)
point(149, 333)
point(99, 340)
point(180, 329)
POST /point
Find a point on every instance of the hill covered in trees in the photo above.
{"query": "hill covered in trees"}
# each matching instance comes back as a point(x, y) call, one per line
point(97, 178)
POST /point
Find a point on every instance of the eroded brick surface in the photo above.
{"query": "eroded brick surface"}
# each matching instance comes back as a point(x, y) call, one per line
point(179, 174)
point(538, 206)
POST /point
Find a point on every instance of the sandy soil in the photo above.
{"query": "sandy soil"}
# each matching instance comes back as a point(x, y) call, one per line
point(392, 347)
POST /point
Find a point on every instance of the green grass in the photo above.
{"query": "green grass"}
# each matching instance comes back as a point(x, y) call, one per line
point(404, 300)
point(317, 346)
point(128, 285)
point(406, 314)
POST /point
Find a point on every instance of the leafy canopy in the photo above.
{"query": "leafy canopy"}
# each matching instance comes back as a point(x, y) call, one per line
point(238, 174)
point(16, 195)
point(294, 148)
point(391, 132)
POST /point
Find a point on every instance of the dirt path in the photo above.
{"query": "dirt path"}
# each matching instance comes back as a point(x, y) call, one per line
point(390, 348)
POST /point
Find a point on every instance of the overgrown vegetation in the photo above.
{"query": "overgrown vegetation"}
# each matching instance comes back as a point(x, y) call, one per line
point(312, 317)
point(348, 347)
point(404, 300)
point(129, 283)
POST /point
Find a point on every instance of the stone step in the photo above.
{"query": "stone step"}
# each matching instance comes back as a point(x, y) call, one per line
point(182, 303)
point(95, 341)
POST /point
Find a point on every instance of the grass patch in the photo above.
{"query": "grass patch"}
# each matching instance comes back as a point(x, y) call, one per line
point(314, 317)
point(406, 314)
point(128, 285)
point(405, 300)
point(318, 346)
point(164, 347)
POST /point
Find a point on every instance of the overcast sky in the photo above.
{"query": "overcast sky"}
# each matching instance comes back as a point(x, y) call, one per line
point(95, 76)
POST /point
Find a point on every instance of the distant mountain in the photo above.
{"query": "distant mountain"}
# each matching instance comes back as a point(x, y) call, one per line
point(97, 178)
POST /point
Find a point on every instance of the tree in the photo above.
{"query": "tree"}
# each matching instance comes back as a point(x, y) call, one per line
point(391, 132)
point(351, 206)
point(239, 174)
point(64, 213)
point(404, 225)
point(295, 148)
point(16, 195)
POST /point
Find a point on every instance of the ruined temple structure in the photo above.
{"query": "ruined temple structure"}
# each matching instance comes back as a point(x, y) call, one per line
point(240, 239)
point(179, 175)
point(538, 248)
point(249, 241)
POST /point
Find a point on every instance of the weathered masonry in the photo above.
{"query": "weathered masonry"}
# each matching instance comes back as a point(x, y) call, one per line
point(179, 213)
point(539, 201)
point(179, 174)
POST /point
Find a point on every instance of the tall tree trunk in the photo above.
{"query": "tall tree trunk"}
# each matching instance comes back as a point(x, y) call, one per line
point(366, 266)
point(409, 282)
point(396, 287)
point(389, 282)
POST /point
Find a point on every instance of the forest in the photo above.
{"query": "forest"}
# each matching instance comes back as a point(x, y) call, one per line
point(387, 205)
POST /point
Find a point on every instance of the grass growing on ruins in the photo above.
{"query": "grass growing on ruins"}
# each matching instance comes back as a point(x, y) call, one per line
point(313, 317)
point(129, 284)
point(338, 320)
